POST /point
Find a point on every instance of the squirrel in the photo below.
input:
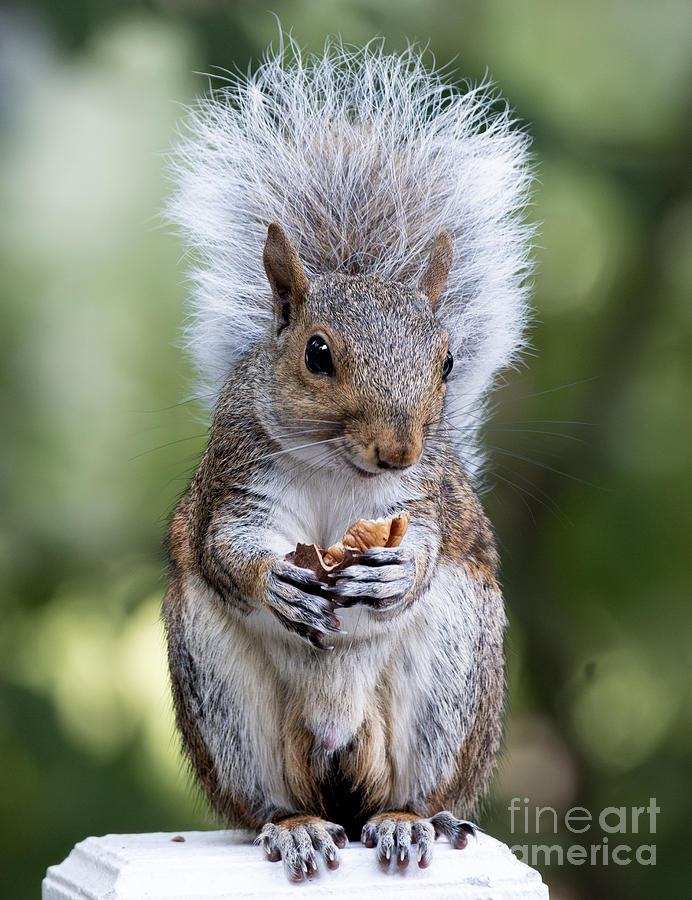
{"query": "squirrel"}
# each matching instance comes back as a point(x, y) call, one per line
point(359, 282)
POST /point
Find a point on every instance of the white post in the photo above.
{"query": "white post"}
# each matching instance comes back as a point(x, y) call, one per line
point(208, 865)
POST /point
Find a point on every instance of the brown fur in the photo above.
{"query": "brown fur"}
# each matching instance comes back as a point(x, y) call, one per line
point(296, 821)
point(468, 535)
point(433, 279)
point(368, 766)
point(397, 816)
point(300, 772)
point(365, 766)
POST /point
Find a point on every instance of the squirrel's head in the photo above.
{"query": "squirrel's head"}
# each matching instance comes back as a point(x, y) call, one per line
point(359, 364)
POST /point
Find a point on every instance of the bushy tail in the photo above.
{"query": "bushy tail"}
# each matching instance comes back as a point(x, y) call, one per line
point(364, 158)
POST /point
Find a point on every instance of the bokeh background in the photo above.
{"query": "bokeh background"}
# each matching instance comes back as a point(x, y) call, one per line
point(590, 486)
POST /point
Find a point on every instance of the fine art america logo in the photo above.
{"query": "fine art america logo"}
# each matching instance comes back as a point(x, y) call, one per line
point(619, 835)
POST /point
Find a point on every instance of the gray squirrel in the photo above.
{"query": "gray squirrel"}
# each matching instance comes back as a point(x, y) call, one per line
point(359, 282)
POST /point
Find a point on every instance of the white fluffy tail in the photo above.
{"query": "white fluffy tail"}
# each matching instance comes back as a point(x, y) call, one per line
point(364, 158)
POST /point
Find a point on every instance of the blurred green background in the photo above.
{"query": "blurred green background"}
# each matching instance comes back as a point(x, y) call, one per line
point(590, 488)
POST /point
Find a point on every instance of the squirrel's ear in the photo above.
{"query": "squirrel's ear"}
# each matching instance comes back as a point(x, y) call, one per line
point(436, 272)
point(284, 269)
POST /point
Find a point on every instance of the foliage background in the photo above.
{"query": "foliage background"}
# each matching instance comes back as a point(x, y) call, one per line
point(96, 444)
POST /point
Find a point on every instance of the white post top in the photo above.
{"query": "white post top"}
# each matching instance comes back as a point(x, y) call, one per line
point(208, 865)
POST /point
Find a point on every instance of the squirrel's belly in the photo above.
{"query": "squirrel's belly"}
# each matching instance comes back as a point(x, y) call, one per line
point(265, 700)
point(394, 708)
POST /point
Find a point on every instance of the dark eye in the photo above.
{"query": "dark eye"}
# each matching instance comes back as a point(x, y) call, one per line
point(447, 368)
point(318, 357)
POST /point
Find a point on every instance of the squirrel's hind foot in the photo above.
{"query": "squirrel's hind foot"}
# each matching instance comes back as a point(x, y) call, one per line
point(394, 833)
point(299, 840)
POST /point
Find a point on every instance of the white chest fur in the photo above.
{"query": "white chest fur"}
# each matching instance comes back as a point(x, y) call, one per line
point(319, 506)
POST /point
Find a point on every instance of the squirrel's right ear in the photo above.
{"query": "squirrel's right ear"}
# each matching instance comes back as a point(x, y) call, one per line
point(285, 272)
point(439, 263)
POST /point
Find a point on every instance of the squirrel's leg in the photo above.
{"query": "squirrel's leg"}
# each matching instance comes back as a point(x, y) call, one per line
point(299, 840)
point(393, 833)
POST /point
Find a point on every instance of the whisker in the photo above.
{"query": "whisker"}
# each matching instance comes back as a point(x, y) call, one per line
point(192, 437)
point(548, 502)
point(318, 421)
point(520, 493)
point(559, 434)
point(490, 422)
point(289, 434)
point(307, 468)
point(148, 412)
point(542, 465)
point(285, 450)
point(561, 387)
point(547, 422)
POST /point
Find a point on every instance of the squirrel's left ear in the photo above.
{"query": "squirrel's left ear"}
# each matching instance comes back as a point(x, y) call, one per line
point(439, 263)
point(285, 272)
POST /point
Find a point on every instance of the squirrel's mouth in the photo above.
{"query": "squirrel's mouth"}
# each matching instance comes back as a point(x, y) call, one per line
point(364, 473)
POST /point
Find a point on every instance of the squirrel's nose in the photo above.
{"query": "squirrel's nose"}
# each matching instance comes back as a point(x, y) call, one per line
point(398, 454)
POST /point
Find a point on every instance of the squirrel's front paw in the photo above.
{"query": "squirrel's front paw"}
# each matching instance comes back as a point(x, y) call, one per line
point(301, 602)
point(381, 578)
point(299, 840)
point(393, 834)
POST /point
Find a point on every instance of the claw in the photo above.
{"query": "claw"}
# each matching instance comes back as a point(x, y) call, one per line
point(402, 837)
point(338, 835)
point(394, 834)
point(423, 834)
point(267, 841)
point(299, 842)
point(456, 831)
point(392, 837)
point(368, 835)
point(272, 852)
